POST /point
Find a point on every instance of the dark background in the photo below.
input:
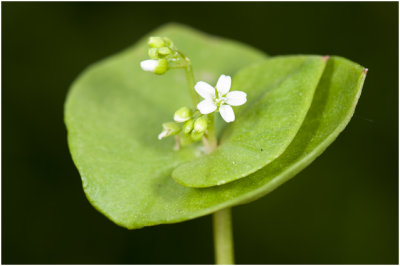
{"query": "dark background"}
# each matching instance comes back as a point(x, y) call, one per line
point(341, 209)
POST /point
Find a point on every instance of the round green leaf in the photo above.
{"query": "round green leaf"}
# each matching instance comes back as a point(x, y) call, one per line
point(280, 92)
point(114, 113)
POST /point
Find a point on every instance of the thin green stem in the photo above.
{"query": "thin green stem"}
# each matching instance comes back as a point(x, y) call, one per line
point(223, 238)
point(187, 64)
point(190, 80)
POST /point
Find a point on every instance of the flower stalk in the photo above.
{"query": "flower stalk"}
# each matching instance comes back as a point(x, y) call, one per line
point(190, 81)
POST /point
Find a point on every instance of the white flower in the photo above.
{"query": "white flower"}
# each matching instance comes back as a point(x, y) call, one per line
point(219, 98)
point(149, 65)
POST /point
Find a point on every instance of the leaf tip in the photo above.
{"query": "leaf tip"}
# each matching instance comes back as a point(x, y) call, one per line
point(365, 71)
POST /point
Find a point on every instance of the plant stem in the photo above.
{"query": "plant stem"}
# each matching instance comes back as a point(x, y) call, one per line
point(210, 139)
point(190, 80)
point(223, 238)
point(222, 220)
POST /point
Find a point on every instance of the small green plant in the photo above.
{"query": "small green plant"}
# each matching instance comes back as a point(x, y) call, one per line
point(151, 149)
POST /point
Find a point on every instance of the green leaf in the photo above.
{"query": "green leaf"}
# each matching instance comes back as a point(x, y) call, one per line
point(114, 113)
point(280, 92)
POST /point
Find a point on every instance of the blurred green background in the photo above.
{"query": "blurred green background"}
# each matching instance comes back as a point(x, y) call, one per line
point(341, 209)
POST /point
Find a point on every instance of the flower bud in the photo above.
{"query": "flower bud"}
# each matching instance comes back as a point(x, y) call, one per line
point(200, 125)
point(162, 67)
point(164, 51)
point(188, 126)
point(183, 114)
point(169, 129)
point(149, 65)
point(168, 42)
point(156, 42)
point(155, 66)
point(153, 53)
point(196, 136)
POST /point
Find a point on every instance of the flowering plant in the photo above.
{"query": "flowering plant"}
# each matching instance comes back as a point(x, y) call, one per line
point(276, 115)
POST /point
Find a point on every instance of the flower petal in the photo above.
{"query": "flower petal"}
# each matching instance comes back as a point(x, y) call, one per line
point(236, 98)
point(204, 89)
point(162, 134)
point(223, 85)
point(227, 113)
point(206, 106)
point(149, 65)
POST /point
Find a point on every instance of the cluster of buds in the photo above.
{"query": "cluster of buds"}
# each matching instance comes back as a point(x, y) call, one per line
point(190, 125)
point(163, 54)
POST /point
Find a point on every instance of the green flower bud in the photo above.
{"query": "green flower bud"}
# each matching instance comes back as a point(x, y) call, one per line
point(168, 42)
point(169, 129)
point(156, 42)
point(201, 123)
point(156, 66)
point(164, 51)
point(162, 67)
point(153, 53)
point(183, 114)
point(196, 136)
point(188, 126)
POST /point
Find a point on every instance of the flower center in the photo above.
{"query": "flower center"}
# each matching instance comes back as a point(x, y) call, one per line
point(219, 100)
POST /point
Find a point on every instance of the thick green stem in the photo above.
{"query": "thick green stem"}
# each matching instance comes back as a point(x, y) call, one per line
point(223, 238)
